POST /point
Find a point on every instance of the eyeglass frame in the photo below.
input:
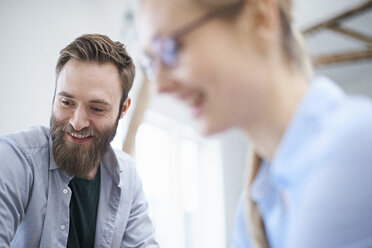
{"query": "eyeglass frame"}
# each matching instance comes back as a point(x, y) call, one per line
point(167, 47)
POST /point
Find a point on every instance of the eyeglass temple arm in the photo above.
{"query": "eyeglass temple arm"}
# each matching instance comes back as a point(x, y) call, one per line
point(198, 22)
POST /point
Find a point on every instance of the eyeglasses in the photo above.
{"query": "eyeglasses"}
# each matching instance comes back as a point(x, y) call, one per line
point(166, 47)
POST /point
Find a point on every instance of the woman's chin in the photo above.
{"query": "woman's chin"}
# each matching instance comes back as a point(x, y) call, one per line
point(207, 129)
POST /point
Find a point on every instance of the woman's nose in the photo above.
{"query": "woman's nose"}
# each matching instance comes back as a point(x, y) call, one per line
point(163, 82)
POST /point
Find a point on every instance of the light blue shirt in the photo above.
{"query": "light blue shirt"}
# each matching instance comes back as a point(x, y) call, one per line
point(317, 190)
point(35, 197)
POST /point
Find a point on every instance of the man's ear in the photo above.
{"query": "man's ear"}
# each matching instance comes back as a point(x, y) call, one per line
point(125, 107)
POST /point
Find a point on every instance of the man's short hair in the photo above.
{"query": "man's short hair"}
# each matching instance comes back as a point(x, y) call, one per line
point(101, 49)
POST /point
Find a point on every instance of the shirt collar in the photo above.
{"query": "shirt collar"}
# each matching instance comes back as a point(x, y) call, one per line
point(110, 165)
point(321, 96)
point(52, 162)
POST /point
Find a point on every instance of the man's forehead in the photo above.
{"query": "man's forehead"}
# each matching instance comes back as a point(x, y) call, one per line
point(97, 83)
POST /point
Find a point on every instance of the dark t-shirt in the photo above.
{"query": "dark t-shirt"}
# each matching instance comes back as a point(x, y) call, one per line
point(83, 211)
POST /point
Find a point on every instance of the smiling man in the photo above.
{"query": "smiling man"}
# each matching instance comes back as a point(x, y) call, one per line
point(66, 186)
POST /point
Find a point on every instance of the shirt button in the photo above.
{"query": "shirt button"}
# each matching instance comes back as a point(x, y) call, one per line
point(65, 191)
point(63, 227)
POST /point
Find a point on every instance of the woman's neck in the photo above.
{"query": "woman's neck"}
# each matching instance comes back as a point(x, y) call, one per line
point(285, 91)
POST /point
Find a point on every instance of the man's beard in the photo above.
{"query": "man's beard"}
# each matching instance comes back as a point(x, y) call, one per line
point(78, 159)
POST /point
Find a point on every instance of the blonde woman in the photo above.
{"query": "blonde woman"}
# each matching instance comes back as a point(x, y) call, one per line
point(241, 64)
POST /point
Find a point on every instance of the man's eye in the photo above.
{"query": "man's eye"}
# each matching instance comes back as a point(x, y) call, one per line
point(65, 102)
point(98, 110)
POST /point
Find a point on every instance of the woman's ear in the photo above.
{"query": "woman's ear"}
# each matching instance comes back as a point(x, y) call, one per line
point(125, 107)
point(260, 16)
point(259, 21)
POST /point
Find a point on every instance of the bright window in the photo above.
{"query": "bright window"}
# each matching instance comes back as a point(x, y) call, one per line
point(182, 179)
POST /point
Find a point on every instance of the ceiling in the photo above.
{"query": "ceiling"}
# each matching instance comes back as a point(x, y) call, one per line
point(354, 77)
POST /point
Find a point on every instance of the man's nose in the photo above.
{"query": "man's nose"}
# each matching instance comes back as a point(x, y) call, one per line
point(79, 119)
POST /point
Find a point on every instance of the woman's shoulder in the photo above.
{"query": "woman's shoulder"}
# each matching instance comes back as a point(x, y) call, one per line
point(337, 124)
point(349, 128)
point(335, 196)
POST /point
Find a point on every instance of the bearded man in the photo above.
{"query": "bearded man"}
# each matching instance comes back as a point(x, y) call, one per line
point(66, 186)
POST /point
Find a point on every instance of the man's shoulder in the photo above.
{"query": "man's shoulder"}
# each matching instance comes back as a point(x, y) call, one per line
point(32, 137)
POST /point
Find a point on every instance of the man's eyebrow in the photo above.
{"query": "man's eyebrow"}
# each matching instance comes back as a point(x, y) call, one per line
point(65, 94)
point(96, 101)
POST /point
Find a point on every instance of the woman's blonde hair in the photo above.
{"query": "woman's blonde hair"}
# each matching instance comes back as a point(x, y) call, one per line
point(291, 39)
point(255, 223)
point(295, 52)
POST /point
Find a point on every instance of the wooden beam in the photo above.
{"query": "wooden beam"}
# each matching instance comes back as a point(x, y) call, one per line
point(344, 57)
point(336, 19)
point(351, 33)
point(139, 111)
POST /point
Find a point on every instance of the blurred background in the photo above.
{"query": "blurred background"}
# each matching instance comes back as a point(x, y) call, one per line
point(192, 183)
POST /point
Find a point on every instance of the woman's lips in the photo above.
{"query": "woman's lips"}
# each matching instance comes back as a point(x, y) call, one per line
point(196, 107)
point(195, 101)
